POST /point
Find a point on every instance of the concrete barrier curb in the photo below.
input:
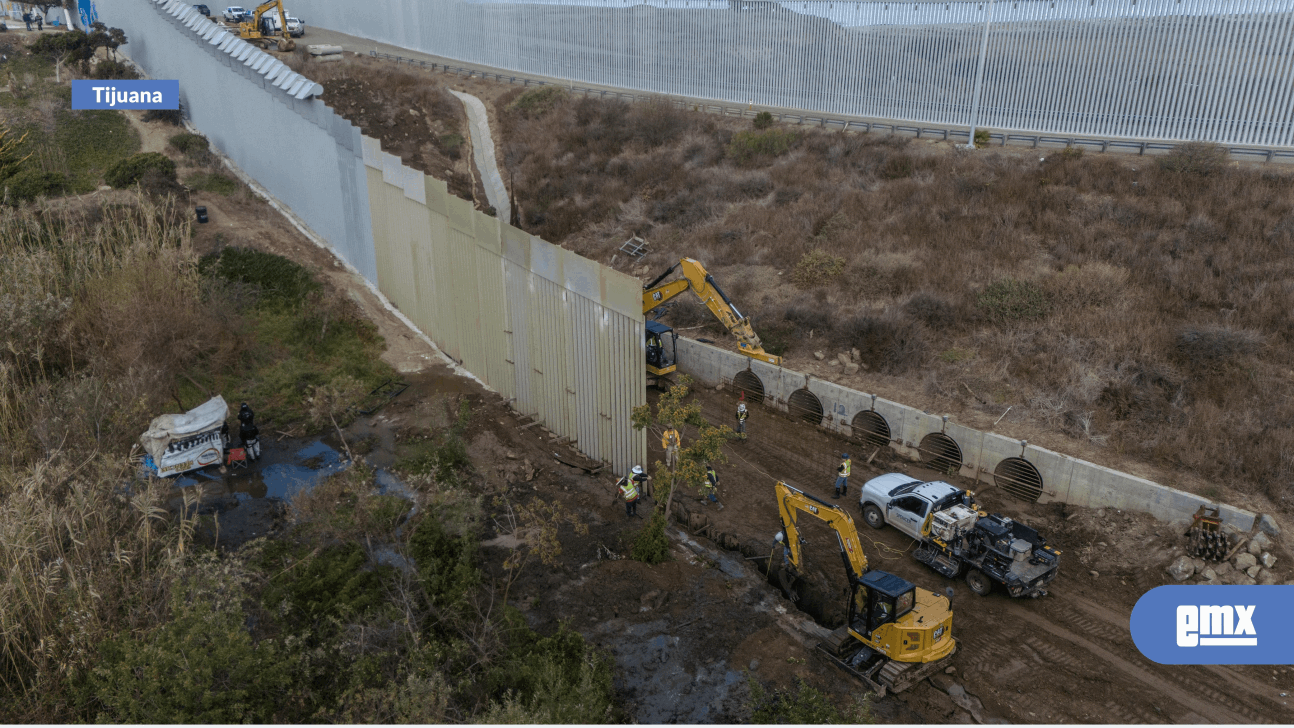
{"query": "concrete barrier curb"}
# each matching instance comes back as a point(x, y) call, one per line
point(1064, 479)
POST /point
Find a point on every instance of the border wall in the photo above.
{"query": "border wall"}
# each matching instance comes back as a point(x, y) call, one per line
point(1027, 472)
point(1183, 70)
point(559, 336)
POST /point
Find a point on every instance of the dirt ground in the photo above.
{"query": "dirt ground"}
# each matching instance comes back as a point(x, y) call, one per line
point(682, 633)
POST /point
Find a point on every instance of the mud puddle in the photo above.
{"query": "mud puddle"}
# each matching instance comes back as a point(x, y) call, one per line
point(252, 501)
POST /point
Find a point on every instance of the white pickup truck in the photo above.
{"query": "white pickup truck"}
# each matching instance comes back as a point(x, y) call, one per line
point(956, 537)
point(234, 14)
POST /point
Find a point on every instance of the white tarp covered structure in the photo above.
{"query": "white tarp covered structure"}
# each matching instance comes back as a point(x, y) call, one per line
point(178, 443)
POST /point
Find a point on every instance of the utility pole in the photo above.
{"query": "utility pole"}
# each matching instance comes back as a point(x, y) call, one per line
point(979, 76)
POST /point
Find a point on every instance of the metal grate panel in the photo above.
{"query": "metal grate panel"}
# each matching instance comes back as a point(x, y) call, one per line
point(941, 452)
point(1020, 478)
point(871, 429)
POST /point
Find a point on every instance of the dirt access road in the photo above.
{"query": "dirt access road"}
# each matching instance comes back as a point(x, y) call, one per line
point(684, 632)
point(1076, 638)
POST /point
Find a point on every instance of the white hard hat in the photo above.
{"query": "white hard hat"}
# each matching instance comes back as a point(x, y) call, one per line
point(638, 470)
point(742, 406)
point(779, 537)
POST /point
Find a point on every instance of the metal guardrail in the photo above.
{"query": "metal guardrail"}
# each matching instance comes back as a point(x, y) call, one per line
point(1002, 139)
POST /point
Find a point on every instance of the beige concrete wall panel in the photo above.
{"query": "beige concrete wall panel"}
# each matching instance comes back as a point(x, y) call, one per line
point(436, 192)
point(492, 314)
point(545, 352)
point(446, 299)
point(516, 245)
point(546, 260)
point(380, 215)
point(587, 358)
point(426, 311)
point(487, 232)
point(517, 286)
point(403, 224)
point(895, 416)
point(580, 276)
point(461, 215)
point(371, 150)
point(621, 293)
point(467, 299)
point(415, 188)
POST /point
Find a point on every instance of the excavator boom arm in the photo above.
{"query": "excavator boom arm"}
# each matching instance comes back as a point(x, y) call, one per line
point(699, 281)
point(792, 501)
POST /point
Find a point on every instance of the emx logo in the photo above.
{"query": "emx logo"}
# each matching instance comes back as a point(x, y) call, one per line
point(1227, 625)
point(1214, 625)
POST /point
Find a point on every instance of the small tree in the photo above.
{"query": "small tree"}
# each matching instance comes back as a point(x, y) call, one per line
point(674, 410)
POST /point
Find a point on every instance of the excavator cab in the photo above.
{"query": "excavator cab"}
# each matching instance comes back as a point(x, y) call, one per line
point(879, 599)
point(661, 357)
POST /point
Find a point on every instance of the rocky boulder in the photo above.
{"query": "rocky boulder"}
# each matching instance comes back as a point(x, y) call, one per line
point(1259, 543)
point(1245, 560)
point(1182, 568)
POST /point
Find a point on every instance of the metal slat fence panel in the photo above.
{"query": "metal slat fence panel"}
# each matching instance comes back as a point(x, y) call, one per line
point(1112, 68)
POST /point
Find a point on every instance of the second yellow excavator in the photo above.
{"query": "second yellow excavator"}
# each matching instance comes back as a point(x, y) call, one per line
point(698, 280)
point(252, 28)
point(895, 633)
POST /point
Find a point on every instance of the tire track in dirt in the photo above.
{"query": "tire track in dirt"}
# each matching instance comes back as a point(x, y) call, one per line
point(1217, 708)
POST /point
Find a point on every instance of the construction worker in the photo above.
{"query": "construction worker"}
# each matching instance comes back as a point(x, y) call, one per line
point(670, 441)
point(630, 490)
point(786, 550)
point(741, 416)
point(26, 18)
point(842, 475)
point(711, 483)
point(248, 432)
point(40, 22)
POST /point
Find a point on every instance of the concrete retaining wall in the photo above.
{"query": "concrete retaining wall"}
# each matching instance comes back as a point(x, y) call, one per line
point(1063, 479)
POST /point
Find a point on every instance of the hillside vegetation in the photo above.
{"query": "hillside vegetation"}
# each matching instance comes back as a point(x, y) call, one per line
point(1138, 305)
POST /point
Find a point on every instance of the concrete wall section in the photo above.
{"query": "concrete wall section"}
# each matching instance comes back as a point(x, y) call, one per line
point(241, 97)
point(559, 335)
point(1064, 479)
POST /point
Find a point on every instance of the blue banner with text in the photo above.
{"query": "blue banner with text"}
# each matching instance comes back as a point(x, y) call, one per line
point(125, 94)
point(1215, 625)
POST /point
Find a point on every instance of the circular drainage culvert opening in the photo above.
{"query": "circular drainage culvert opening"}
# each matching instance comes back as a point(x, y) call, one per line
point(805, 405)
point(746, 381)
point(941, 453)
point(871, 428)
point(1019, 478)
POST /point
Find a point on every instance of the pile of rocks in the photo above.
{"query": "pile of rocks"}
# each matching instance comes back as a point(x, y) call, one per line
point(851, 360)
point(1250, 565)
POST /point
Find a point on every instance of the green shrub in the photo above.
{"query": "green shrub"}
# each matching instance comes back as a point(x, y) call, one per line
point(762, 120)
point(134, 168)
point(1013, 300)
point(651, 546)
point(188, 143)
point(816, 268)
point(981, 137)
point(174, 117)
point(201, 667)
point(446, 563)
point(750, 146)
point(553, 680)
point(213, 182)
point(1200, 158)
point(112, 70)
point(32, 183)
point(333, 583)
point(538, 101)
point(280, 281)
point(92, 141)
point(802, 705)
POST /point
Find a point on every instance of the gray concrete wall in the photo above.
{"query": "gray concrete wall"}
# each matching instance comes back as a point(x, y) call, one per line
point(1064, 479)
point(305, 155)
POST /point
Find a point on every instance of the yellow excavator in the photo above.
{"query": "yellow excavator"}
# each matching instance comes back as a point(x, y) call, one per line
point(895, 633)
point(252, 30)
point(698, 280)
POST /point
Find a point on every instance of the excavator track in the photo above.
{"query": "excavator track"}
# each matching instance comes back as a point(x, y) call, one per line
point(899, 676)
point(883, 676)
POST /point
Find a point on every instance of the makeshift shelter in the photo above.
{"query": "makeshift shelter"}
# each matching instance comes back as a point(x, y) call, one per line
point(179, 443)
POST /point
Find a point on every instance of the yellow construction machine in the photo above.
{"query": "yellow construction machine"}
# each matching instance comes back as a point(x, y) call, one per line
point(698, 280)
point(895, 633)
point(253, 30)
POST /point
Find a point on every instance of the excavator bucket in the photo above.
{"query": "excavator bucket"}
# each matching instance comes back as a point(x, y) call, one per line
point(287, 44)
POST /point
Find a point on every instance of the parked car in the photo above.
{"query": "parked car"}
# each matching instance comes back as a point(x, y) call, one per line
point(203, 9)
point(296, 28)
point(235, 14)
